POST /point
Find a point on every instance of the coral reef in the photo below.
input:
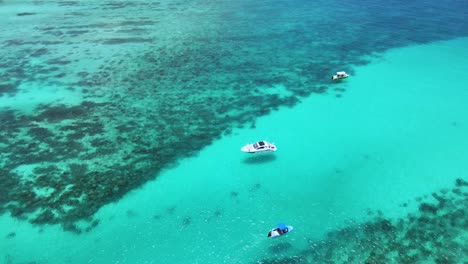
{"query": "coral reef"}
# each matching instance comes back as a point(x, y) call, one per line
point(160, 91)
point(437, 233)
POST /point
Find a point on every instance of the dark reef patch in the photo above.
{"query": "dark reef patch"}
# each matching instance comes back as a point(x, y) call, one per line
point(68, 3)
point(8, 88)
point(26, 14)
point(171, 210)
point(280, 247)
point(76, 32)
point(131, 213)
point(46, 217)
point(218, 213)
point(93, 225)
point(461, 183)
point(157, 217)
point(58, 61)
point(59, 113)
point(115, 5)
point(255, 187)
point(286, 260)
point(186, 221)
point(116, 41)
point(39, 52)
point(425, 236)
point(40, 132)
point(72, 227)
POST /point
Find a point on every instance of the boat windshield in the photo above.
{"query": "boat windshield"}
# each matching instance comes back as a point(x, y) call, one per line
point(259, 144)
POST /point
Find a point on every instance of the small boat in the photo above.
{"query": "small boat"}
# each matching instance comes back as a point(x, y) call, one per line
point(259, 147)
point(282, 229)
point(340, 75)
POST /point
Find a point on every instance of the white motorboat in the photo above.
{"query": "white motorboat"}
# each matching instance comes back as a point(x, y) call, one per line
point(259, 147)
point(282, 229)
point(340, 75)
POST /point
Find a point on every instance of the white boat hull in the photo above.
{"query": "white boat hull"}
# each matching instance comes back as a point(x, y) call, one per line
point(250, 150)
point(265, 147)
point(339, 77)
point(274, 232)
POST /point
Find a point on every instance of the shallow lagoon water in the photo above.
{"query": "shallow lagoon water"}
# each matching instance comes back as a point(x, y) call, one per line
point(360, 162)
point(339, 164)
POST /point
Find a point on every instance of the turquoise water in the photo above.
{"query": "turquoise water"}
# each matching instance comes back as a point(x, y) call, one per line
point(123, 124)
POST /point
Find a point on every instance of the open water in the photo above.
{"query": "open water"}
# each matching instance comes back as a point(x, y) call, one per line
point(122, 123)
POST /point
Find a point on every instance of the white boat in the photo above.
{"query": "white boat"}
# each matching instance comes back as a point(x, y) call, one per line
point(282, 229)
point(259, 147)
point(340, 75)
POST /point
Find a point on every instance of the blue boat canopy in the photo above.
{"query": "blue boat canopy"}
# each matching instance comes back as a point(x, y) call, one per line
point(281, 226)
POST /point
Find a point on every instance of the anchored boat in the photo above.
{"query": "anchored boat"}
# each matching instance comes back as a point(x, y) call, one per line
point(340, 75)
point(281, 230)
point(259, 147)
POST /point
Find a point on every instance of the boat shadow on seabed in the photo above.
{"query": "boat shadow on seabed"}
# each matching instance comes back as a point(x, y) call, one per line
point(259, 159)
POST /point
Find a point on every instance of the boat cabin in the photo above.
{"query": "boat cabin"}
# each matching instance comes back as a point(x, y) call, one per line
point(260, 145)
